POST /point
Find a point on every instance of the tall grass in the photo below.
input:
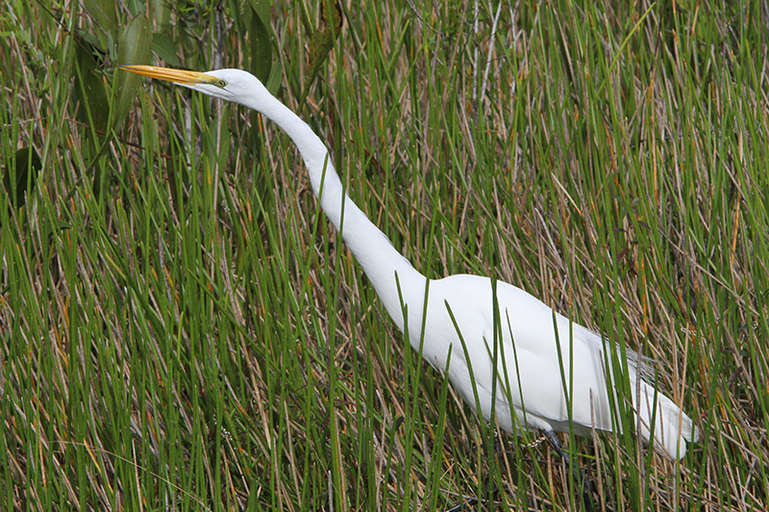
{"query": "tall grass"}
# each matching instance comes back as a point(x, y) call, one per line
point(182, 329)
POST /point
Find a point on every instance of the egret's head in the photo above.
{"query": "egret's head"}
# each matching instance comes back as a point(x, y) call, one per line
point(228, 84)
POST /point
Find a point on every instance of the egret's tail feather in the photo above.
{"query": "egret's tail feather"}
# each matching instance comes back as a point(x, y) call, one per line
point(673, 429)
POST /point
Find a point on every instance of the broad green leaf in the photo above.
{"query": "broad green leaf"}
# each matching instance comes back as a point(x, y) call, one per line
point(162, 11)
point(263, 8)
point(92, 106)
point(134, 47)
point(261, 47)
point(165, 48)
point(104, 14)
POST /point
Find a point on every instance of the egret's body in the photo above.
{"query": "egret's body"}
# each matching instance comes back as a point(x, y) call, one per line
point(460, 320)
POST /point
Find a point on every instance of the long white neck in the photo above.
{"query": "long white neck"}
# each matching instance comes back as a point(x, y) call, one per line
point(373, 250)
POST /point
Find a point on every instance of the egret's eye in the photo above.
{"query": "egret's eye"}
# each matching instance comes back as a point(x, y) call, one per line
point(221, 83)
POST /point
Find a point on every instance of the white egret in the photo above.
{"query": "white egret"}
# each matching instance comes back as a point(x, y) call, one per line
point(526, 389)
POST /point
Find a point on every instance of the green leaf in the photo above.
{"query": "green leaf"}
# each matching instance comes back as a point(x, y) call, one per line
point(104, 14)
point(162, 11)
point(263, 8)
point(134, 47)
point(261, 47)
point(93, 108)
point(276, 77)
point(165, 48)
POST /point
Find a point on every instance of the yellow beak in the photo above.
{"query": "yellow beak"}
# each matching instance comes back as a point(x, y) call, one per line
point(178, 76)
